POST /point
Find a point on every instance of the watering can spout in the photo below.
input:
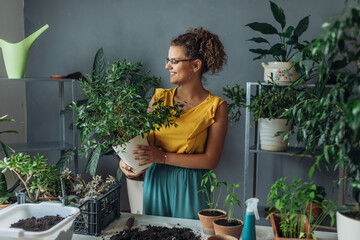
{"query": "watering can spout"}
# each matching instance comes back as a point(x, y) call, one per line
point(31, 39)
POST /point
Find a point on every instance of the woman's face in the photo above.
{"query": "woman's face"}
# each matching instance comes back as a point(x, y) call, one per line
point(182, 71)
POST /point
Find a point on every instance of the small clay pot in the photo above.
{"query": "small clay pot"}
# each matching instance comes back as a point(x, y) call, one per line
point(207, 221)
point(235, 230)
point(315, 208)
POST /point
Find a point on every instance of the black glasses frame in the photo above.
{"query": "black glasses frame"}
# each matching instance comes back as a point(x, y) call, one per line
point(173, 61)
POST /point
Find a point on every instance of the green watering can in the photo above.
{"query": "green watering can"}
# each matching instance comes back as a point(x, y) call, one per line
point(16, 54)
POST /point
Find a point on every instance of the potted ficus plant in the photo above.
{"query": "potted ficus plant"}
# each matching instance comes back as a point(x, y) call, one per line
point(283, 70)
point(267, 108)
point(116, 109)
point(290, 199)
point(230, 226)
point(209, 184)
point(329, 116)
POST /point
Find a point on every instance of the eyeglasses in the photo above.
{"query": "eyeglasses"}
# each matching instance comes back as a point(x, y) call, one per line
point(174, 61)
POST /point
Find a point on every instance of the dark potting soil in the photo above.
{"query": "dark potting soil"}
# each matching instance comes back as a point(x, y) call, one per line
point(157, 233)
point(212, 213)
point(225, 222)
point(353, 215)
point(34, 224)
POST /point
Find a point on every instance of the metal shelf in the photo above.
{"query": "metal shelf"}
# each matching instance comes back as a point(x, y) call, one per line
point(61, 144)
point(41, 146)
point(255, 151)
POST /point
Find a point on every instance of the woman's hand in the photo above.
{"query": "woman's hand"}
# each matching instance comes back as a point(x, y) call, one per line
point(149, 154)
point(126, 169)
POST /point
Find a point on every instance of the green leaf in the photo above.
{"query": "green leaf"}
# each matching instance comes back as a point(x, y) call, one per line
point(258, 40)
point(93, 161)
point(99, 68)
point(119, 174)
point(278, 14)
point(65, 160)
point(264, 28)
point(302, 26)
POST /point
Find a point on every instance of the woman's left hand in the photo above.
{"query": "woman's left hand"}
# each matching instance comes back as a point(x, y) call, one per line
point(149, 154)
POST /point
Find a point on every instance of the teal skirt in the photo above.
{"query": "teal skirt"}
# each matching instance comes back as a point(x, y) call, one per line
point(173, 191)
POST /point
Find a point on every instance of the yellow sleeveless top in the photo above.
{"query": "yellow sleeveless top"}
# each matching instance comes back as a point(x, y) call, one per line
point(191, 133)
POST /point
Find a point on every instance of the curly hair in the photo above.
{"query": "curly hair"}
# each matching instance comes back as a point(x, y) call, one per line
point(204, 45)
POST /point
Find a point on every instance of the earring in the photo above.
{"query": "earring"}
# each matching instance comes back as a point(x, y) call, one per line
point(194, 69)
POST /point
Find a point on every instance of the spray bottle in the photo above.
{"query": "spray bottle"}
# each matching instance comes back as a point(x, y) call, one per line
point(249, 222)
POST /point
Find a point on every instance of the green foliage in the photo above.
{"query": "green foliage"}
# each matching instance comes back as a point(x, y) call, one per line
point(231, 199)
point(6, 193)
point(116, 109)
point(329, 116)
point(237, 96)
point(209, 183)
point(285, 49)
point(271, 102)
point(291, 199)
point(34, 172)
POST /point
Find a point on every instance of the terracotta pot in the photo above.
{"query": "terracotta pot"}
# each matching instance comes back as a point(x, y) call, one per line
point(207, 221)
point(275, 223)
point(315, 209)
point(234, 231)
point(221, 237)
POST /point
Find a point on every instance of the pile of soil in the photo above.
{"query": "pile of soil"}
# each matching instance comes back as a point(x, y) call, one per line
point(353, 215)
point(34, 224)
point(157, 233)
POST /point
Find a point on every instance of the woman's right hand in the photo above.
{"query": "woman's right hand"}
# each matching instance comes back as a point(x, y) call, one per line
point(126, 169)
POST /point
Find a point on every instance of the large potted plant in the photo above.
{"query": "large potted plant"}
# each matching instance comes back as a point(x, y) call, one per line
point(115, 114)
point(333, 58)
point(290, 199)
point(282, 70)
point(267, 108)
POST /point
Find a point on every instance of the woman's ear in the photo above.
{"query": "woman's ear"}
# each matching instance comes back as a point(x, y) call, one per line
point(197, 65)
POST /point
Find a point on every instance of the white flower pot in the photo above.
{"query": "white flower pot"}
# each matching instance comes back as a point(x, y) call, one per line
point(268, 128)
point(135, 194)
point(347, 228)
point(62, 231)
point(283, 72)
point(125, 152)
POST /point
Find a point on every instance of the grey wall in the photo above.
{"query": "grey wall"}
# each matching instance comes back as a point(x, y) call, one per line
point(140, 30)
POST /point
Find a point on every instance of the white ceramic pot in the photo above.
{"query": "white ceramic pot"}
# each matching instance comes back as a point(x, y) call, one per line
point(125, 152)
point(268, 129)
point(135, 194)
point(283, 72)
point(347, 228)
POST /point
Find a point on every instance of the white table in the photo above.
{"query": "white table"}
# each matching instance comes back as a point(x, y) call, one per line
point(262, 232)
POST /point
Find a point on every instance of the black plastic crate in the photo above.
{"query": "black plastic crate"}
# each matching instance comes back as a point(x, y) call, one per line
point(95, 214)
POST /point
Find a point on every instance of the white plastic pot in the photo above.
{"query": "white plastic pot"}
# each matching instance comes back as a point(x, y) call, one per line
point(125, 152)
point(347, 228)
point(268, 129)
point(61, 231)
point(135, 194)
point(282, 72)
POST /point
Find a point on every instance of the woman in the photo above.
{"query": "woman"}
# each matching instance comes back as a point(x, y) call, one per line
point(184, 153)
